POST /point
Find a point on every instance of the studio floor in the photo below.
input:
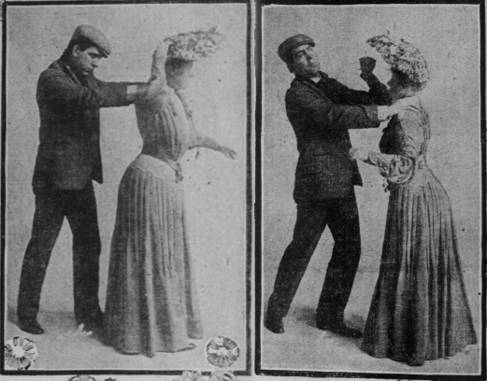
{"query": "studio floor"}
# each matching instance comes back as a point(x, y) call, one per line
point(63, 347)
point(308, 348)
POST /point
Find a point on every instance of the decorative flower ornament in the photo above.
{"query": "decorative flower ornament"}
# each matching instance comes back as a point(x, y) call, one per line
point(220, 375)
point(193, 46)
point(82, 378)
point(19, 353)
point(190, 375)
point(222, 351)
point(402, 56)
point(89, 378)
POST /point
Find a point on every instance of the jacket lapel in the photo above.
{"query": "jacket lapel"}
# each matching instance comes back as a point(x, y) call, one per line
point(313, 86)
point(64, 67)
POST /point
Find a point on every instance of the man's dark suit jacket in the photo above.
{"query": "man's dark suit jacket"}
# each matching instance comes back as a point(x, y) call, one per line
point(69, 156)
point(321, 114)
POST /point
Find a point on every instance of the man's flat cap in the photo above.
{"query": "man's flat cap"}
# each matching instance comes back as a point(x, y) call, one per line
point(292, 42)
point(88, 33)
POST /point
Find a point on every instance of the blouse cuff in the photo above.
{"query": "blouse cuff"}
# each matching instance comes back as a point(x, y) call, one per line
point(377, 159)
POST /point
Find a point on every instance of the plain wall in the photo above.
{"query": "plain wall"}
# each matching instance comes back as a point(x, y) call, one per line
point(448, 36)
point(215, 187)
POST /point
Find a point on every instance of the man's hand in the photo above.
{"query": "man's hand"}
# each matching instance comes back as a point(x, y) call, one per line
point(402, 105)
point(154, 87)
point(358, 154)
point(398, 107)
point(367, 66)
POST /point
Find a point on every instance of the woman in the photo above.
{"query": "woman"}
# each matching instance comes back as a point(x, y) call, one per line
point(151, 298)
point(419, 309)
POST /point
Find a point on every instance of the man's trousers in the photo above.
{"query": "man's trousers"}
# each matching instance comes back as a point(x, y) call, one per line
point(51, 206)
point(341, 215)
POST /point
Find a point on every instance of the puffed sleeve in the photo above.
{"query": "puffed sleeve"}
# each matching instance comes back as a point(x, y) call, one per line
point(399, 168)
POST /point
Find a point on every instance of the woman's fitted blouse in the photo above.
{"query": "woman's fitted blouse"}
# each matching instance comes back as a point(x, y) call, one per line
point(166, 127)
point(165, 124)
point(403, 145)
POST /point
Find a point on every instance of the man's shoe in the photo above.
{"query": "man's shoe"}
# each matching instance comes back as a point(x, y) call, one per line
point(340, 329)
point(91, 325)
point(92, 322)
point(31, 326)
point(274, 324)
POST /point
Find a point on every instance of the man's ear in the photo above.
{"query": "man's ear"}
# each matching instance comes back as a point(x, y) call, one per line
point(75, 50)
point(290, 67)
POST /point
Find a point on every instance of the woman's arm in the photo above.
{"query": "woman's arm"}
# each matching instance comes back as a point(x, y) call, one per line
point(204, 141)
point(147, 91)
point(396, 168)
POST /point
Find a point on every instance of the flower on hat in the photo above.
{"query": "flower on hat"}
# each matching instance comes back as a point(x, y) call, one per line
point(221, 375)
point(402, 56)
point(190, 375)
point(195, 45)
point(83, 377)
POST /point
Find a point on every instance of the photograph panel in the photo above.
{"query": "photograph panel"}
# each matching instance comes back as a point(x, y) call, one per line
point(371, 194)
point(130, 120)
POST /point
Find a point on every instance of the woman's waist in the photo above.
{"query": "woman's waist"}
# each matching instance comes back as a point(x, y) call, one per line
point(421, 176)
point(421, 163)
point(159, 166)
point(163, 152)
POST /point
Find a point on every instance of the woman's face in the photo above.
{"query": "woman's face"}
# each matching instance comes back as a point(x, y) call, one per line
point(180, 79)
point(399, 89)
point(393, 83)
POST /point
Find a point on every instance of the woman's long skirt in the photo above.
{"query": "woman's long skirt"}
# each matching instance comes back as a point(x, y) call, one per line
point(151, 300)
point(419, 309)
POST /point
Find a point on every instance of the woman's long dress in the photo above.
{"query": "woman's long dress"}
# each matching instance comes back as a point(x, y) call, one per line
point(151, 297)
point(419, 309)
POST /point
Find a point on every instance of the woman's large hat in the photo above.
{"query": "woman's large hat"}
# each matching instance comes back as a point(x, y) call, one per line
point(192, 46)
point(403, 57)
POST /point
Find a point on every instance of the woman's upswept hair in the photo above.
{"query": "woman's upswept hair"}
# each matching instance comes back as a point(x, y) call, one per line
point(405, 80)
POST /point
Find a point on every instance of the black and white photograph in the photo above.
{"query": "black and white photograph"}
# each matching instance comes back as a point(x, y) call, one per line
point(243, 190)
point(127, 185)
point(371, 189)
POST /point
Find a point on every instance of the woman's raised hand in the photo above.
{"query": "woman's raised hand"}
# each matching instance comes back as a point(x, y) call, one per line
point(159, 59)
point(157, 78)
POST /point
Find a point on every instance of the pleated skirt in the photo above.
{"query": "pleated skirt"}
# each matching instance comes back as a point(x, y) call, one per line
point(419, 309)
point(151, 302)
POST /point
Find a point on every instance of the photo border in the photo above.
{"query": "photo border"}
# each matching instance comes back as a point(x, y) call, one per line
point(248, 185)
point(259, 370)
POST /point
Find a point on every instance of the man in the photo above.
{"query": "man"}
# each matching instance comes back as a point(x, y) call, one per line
point(68, 159)
point(321, 110)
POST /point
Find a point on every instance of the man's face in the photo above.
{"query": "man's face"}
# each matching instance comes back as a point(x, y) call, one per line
point(86, 61)
point(305, 61)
